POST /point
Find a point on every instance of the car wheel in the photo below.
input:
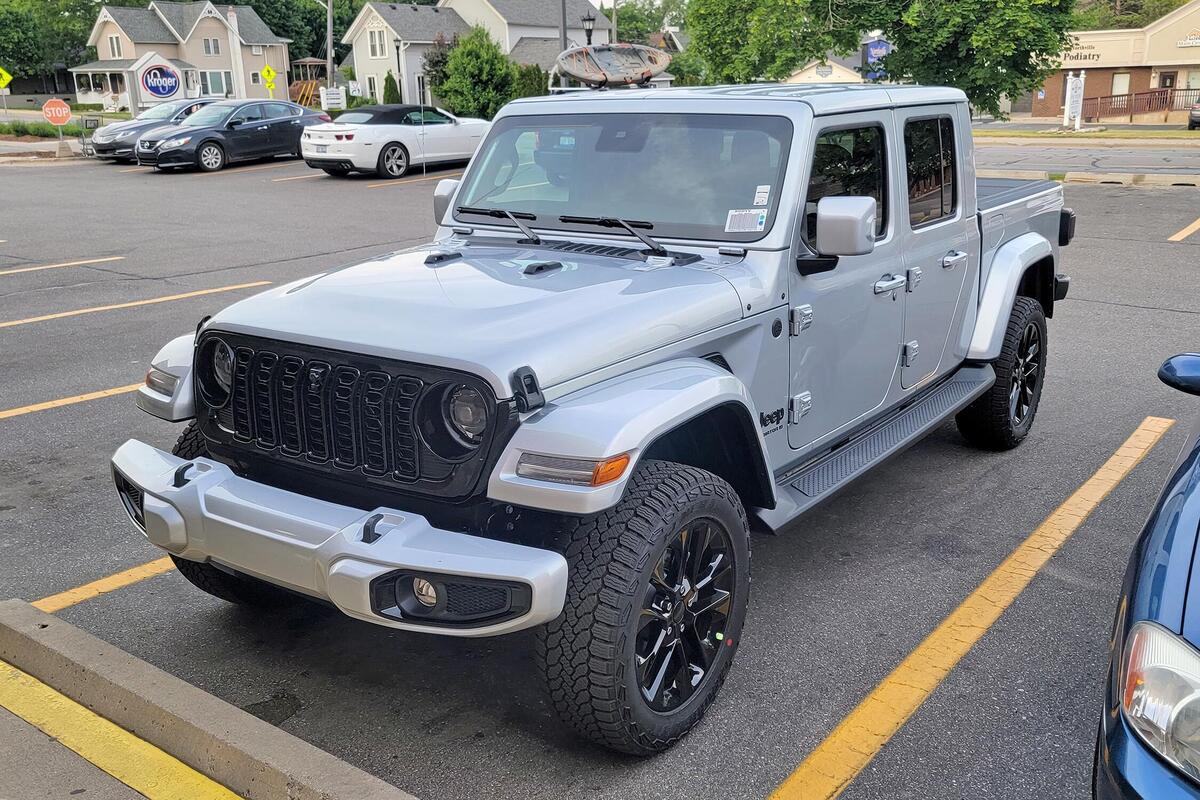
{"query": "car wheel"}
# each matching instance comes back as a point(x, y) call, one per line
point(210, 157)
point(393, 161)
point(1003, 415)
point(656, 599)
point(206, 577)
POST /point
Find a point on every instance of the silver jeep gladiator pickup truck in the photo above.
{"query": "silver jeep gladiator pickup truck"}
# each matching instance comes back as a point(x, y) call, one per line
point(649, 321)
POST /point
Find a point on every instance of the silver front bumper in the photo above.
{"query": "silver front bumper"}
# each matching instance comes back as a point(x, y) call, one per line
point(317, 548)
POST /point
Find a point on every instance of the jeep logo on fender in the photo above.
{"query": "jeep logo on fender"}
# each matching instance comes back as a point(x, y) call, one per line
point(160, 81)
point(770, 420)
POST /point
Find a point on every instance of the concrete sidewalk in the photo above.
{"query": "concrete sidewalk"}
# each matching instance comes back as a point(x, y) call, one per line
point(33, 766)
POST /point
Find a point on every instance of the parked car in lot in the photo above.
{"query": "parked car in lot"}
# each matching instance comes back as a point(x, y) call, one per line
point(388, 139)
point(563, 412)
point(1149, 740)
point(1194, 117)
point(118, 139)
point(228, 131)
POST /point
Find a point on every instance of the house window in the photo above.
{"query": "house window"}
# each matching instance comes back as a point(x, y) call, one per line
point(212, 47)
point(215, 83)
point(932, 183)
point(371, 88)
point(255, 79)
point(1120, 83)
point(422, 90)
point(378, 44)
point(256, 50)
point(114, 46)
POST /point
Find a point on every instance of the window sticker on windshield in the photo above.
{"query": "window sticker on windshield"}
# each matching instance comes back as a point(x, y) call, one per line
point(746, 220)
point(762, 195)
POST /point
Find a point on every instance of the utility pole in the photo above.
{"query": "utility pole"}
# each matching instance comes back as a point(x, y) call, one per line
point(562, 41)
point(612, 38)
point(329, 43)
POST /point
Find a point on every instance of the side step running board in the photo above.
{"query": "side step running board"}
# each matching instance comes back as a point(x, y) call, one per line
point(821, 478)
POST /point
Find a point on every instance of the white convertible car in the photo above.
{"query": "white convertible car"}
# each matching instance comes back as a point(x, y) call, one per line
point(388, 139)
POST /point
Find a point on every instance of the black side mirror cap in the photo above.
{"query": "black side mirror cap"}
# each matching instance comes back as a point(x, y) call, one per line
point(1182, 372)
point(812, 265)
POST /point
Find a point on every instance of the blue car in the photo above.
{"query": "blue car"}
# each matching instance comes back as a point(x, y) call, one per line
point(1149, 742)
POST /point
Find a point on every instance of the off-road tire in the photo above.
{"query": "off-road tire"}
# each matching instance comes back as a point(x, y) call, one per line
point(586, 655)
point(206, 577)
point(988, 422)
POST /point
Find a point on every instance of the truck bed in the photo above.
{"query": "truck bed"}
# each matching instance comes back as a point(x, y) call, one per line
point(995, 192)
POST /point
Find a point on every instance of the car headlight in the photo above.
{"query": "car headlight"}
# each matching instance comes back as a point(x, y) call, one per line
point(180, 142)
point(467, 413)
point(126, 134)
point(1160, 694)
point(215, 371)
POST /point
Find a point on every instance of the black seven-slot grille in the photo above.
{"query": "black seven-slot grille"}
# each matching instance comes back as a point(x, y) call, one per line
point(336, 412)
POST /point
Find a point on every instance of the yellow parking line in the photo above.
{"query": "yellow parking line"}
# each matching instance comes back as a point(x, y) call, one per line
point(412, 180)
point(132, 304)
point(80, 263)
point(1186, 232)
point(298, 178)
point(134, 762)
point(57, 602)
point(829, 769)
point(67, 401)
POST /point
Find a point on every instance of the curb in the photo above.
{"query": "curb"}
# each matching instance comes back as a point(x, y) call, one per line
point(1106, 178)
point(251, 757)
point(1023, 174)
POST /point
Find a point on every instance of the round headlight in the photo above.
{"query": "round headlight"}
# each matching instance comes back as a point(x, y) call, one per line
point(467, 413)
point(222, 365)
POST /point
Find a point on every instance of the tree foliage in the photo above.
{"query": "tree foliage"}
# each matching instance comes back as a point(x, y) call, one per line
point(637, 19)
point(479, 77)
point(530, 81)
point(21, 53)
point(987, 48)
point(434, 63)
point(391, 90)
point(1108, 14)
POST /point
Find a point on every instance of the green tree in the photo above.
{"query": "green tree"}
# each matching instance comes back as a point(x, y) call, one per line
point(479, 77)
point(637, 19)
point(530, 81)
point(688, 68)
point(21, 52)
point(434, 63)
point(391, 90)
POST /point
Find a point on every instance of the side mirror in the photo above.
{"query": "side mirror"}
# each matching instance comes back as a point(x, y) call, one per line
point(441, 198)
point(1182, 372)
point(234, 124)
point(846, 226)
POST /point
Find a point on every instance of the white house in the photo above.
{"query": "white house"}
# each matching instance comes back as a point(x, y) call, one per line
point(394, 37)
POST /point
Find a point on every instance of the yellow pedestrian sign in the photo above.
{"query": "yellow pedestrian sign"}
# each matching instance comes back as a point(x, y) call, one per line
point(268, 74)
point(5, 78)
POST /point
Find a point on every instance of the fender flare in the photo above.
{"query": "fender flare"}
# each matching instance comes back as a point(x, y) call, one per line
point(1009, 265)
point(626, 414)
point(175, 358)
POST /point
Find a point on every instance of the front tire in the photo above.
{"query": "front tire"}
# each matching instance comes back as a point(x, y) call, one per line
point(206, 577)
point(656, 600)
point(210, 157)
point(1003, 415)
point(393, 161)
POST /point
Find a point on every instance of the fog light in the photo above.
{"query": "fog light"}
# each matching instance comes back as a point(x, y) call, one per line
point(425, 593)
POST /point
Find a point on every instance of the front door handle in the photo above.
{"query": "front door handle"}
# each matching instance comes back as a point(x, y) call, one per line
point(262, 127)
point(953, 259)
point(890, 283)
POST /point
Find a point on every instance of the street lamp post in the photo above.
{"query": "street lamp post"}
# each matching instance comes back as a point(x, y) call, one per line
point(589, 24)
point(399, 69)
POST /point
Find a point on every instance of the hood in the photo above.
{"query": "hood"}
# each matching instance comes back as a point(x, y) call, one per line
point(481, 313)
point(158, 132)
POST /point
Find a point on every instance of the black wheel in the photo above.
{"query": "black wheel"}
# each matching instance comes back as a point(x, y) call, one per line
point(655, 604)
point(393, 161)
point(1002, 416)
point(337, 172)
point(206, 577)
point(210, 157)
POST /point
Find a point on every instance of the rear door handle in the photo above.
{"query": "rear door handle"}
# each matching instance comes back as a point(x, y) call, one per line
point(890, 283)
point(262, 127)
point(953, 259)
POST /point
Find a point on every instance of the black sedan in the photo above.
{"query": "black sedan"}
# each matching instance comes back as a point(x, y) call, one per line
point(227, 131)
point(1149, 742)
point(117, 140)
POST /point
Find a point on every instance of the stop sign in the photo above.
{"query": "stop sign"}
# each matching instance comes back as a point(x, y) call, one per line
point(56, 112)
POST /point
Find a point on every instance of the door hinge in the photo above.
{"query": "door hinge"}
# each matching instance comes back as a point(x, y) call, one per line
point(801, 318)
point(910, 352)
point(914, 277)
point(800, 405)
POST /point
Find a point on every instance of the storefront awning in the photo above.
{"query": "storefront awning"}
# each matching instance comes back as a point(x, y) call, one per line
point(122, 64)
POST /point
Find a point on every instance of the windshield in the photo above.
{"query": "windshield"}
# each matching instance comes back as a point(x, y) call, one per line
point(163, 110)
point(209, 115)
point(693, 176)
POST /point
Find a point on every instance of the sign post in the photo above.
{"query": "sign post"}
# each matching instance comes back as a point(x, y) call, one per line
point(1067, 103)
point(5, 80)
point(268, 75)
point(1073, 107)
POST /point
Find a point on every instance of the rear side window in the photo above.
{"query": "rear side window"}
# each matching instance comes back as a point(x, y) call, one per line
point(932, 178)
point(849, 162)
point(277, 110)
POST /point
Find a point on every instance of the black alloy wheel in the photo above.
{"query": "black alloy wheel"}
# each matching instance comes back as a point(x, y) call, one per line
point(684, 614)
point(1026, 375)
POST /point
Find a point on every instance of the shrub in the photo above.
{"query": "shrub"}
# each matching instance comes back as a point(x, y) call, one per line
point(479, 76)
point(391, 91)
point(45, 130)
point(531, 81)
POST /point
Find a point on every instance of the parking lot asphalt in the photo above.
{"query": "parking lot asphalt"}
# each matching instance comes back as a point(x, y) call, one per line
point(1160, 157)
point(839, 599)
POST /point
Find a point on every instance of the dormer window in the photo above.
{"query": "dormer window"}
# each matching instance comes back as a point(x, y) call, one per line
point(114, 46)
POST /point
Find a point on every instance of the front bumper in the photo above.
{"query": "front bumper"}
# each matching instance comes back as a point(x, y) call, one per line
point(204, 512)
point(114, 149)
point(178, 157)
point(1127, 770)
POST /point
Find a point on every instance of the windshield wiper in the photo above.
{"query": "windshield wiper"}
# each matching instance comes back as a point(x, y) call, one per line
point(629, 225)
point(515, 216)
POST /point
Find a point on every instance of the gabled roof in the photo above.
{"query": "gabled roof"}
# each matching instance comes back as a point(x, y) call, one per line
point(141, 25)
point(182, 18)
point(251, 26)
point(545, 13)
point(413, 23)
point(542, 51)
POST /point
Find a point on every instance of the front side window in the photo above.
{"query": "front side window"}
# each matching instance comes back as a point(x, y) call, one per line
point(850, 162)
point(932, 183)
point(694, 176)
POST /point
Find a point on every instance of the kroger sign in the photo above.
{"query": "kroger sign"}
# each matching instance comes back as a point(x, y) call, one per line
point(160, 81)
